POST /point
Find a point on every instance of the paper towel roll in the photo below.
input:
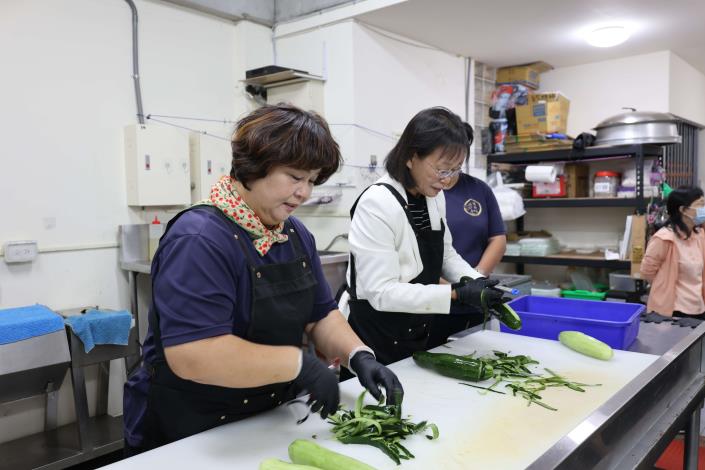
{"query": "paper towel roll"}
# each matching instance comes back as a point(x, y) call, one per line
point(541, 173)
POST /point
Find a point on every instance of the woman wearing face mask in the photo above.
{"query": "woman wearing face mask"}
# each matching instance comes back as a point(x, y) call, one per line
point(674, 258)
point(400, 246)
point(236, 283)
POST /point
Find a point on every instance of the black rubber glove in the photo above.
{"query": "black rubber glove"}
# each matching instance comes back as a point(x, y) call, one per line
point(653, 317)
point(320, 382)
point(470, 291)
point(372, 374)
point(687, 322)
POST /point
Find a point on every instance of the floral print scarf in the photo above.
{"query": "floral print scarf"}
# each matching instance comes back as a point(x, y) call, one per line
point(225, 197)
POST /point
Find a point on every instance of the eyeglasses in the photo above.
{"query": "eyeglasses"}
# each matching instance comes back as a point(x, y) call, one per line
point(444, 174)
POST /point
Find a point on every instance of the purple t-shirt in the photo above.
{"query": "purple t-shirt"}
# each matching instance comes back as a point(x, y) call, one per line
point(473, 217)
point(201, 287)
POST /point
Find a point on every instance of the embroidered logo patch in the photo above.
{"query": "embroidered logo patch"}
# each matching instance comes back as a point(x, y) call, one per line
point(472, 207)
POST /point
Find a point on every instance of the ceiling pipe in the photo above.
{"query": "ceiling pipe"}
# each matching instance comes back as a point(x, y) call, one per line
point(135, 63)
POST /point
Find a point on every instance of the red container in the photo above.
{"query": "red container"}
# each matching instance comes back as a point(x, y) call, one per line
point(555, 189)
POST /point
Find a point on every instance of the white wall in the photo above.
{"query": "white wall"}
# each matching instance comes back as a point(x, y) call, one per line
point(66, 94)
point(686, 90)
point(372, 81)
point(599, 90)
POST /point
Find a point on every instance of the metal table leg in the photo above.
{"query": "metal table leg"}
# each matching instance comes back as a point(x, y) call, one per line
point(81, 404)
point(134, 307)
point(52, 408)
point(132, 361)
point(102, 385)
point(692, 441)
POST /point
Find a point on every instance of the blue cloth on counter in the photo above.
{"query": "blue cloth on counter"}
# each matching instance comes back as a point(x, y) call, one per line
point(100, 327)
point(17, 324)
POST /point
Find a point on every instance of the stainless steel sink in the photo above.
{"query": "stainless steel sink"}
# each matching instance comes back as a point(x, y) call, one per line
point(335, 265)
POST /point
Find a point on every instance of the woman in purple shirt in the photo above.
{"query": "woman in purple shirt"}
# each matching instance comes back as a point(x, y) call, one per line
point(236, 282)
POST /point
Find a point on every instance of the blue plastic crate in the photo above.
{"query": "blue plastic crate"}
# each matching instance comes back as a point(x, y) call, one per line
point(617, 324)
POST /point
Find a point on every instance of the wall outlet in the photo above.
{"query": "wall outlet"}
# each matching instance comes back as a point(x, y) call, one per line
point(20, 251)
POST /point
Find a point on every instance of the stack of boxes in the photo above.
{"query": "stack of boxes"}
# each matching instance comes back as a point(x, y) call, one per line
point(531, 121)
point(534, 121)
point(545, 113)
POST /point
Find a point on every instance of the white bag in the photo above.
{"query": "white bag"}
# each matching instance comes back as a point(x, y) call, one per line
point(511, 204)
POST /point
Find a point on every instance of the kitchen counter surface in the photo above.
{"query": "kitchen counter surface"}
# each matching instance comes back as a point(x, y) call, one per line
point(479, 430)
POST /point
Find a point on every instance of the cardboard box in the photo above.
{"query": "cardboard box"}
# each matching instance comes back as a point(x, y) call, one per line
point(546, 113)
point(524, 74)
point(577, 180)
point(534, 143)
point(637, 244)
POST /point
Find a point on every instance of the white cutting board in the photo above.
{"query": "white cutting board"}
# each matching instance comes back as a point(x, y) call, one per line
point(477, 431)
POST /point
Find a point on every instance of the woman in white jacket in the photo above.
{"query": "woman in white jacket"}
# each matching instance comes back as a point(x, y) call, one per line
point(399, 244)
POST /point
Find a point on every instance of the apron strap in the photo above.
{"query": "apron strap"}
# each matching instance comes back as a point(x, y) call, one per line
point(295, 238)
point(405, 207)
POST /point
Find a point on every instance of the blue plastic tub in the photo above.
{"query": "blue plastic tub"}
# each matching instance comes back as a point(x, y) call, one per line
point(617, 324)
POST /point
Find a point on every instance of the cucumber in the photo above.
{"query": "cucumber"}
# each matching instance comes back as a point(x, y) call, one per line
point(276, 464)
point(450, 365)
point(585, 344)
point(509, 317)
point(305, 452)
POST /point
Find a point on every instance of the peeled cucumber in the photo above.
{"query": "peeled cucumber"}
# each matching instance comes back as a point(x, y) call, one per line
point(305, 452)
point(585, 344)
point(276, 464)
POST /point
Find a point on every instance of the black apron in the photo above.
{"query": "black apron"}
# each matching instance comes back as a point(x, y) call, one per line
point(447, 325)
point(282, 301)
point(394, 336)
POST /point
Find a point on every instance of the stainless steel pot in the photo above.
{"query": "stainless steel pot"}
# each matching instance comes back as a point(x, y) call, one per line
point(638, 127)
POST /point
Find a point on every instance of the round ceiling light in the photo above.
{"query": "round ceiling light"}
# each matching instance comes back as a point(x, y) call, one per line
point(607, 36)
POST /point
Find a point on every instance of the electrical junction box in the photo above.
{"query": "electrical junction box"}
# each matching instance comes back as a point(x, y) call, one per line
point(211, 158)
point(157, 167)
point(20, 251)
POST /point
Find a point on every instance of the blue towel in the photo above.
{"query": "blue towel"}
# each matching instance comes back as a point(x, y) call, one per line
point(17, 324)
point(100, 327)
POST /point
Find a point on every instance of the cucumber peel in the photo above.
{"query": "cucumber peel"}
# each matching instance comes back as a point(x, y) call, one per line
point(586, 345)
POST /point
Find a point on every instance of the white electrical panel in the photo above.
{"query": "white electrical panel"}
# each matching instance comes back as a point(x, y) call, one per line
point(307, 95)
point(157, 166)
point(211, 158)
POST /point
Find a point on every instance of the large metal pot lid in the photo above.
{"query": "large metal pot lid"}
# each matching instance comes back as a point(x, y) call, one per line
point(635, 117)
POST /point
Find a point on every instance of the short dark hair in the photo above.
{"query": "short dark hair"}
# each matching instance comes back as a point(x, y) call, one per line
point(282, 135)
point(429, 130)
point(679, 197)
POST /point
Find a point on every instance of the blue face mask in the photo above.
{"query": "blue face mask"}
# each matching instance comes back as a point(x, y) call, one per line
point(699, 218)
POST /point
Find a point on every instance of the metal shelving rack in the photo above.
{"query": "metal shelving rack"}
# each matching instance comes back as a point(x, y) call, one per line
point(638, 152)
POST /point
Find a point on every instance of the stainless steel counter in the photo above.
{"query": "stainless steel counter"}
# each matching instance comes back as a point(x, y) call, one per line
point(633, 428)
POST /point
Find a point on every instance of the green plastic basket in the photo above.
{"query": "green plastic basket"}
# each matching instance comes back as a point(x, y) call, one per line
point(583, 295)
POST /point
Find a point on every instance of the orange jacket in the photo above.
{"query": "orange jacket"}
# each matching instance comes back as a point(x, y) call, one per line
point(660, 267)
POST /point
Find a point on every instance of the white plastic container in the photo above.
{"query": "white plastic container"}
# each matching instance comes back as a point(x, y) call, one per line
point(545, 289)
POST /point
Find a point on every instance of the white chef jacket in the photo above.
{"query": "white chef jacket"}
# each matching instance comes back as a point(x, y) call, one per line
point(387, 255)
